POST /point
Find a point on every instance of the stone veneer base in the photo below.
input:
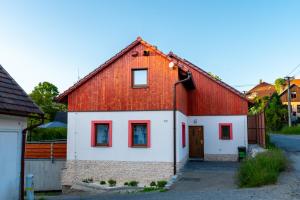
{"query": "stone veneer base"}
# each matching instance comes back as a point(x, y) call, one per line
point(121, 171)
point(220, 157)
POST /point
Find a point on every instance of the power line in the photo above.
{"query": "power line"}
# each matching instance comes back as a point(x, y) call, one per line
point(246, 85)
point(294, 69)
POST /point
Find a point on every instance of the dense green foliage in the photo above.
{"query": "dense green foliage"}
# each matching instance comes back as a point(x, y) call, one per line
point(44, 95)
point(276, 113)
point(41, 134)
point(294, 130)
point(259, 105)
point(279, 85)
point(263, 169)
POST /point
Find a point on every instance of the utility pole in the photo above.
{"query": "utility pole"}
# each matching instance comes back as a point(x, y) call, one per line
point(288, 79)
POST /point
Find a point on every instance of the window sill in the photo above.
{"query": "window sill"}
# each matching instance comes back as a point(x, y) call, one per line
point(140, 146)
point(140, 87)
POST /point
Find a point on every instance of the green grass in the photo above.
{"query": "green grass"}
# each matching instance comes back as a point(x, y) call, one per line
point(294, 130)
point(264, 169)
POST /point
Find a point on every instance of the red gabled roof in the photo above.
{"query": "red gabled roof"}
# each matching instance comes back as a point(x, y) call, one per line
point(63, 97)
point(223, 84)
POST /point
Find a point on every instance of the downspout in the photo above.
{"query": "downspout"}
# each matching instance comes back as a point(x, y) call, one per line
point(174, 119)
point(22, 173)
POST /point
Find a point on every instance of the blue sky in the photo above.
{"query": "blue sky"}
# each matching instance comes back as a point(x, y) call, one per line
point(240, 41)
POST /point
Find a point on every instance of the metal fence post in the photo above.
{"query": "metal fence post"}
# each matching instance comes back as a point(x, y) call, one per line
point(29, 187)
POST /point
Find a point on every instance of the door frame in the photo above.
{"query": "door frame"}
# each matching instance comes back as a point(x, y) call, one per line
point(200, 158)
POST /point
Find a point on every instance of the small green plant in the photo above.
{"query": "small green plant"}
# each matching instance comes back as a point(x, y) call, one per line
point(102, 182)
point(112, 182)
point(161, 184)
point(88, 180)
point(153, 184)
point(149, 189)
point(126, 183)
point(133, 183)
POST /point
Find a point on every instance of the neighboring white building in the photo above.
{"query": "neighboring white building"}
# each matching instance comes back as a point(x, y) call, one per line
point(121, 118)
point(15, 107)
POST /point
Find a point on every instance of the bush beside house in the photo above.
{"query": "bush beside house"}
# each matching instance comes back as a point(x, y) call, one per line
point(263, 169)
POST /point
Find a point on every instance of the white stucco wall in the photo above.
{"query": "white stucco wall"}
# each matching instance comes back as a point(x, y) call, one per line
point(79, 137)
point(212, 143)
point(10, 155)
point(182, 152)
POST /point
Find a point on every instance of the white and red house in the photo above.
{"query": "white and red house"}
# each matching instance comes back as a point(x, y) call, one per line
point(142, 114)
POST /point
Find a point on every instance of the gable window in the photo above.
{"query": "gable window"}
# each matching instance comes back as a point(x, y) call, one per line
point(139, 133)
point(101, 133)
point(225, 131)
point(183, 134)
point(293, 95)
point(139, 78)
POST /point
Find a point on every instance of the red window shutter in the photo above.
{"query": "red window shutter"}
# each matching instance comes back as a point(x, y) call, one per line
point(93, 135)
point(183, 134)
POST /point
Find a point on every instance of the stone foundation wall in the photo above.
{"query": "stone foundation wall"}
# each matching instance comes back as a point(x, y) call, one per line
point(121, 171)
point(220, 157)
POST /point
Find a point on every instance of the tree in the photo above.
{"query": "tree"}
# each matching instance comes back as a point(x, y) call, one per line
point(259, 105)
point(276, 113)
point(279, 85)
point(44, 95)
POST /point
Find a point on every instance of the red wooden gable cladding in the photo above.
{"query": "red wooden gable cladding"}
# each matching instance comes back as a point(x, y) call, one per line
point(111, 88)
point(210, 98)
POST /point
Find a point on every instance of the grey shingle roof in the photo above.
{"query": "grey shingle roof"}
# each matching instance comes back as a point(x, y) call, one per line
point(13, 99)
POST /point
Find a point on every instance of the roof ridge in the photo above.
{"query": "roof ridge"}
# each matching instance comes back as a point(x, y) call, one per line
point(108, 62)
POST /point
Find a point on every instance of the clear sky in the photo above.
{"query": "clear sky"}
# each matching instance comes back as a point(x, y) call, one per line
point(240, 41)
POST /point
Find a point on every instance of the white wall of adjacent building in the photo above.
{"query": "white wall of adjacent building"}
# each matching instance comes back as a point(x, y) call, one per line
point(212, 143)
point(10, 155)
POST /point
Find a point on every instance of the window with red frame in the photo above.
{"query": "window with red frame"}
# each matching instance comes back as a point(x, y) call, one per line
point(183, 134)
point(225, 131)
point(101, 133)
point(139, 133)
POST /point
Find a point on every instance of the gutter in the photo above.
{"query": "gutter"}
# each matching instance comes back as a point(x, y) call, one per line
point(22, 173)
point(174, 119)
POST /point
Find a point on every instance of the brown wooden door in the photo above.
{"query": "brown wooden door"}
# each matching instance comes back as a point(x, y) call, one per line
point(196, 142)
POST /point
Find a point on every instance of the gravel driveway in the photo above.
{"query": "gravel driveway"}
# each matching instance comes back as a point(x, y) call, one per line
point(213, 180)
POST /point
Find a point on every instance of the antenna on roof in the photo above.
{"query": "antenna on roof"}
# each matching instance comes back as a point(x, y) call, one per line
point(78, 77)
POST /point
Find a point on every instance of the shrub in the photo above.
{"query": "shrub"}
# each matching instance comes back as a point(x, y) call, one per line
point(102, 182)
point(126, 183)
point(88, 180)
point(152, 184)
point(133, 183)
point(263, 169)
point(161, 183)
point(294, 130)
point(42, 134)
point(112, 182)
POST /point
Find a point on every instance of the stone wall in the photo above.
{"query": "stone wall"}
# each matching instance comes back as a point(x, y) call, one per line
point(220, 157)
point(144, 172)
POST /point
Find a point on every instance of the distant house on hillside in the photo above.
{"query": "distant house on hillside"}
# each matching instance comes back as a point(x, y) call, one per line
point(295, 97)
point(261, 90)
point(15, 107)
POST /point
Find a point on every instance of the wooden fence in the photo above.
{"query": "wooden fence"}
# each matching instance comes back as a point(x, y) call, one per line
point(47, 150)
point(257, 129)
